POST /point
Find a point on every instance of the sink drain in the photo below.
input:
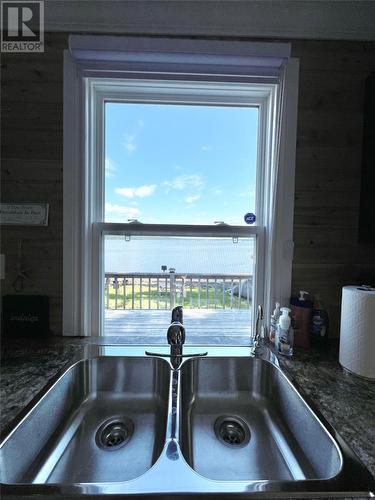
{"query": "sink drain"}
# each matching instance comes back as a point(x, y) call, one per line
point(232, 431)
point(114, 433)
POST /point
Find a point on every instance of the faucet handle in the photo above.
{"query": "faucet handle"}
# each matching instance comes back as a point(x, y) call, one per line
point(176, 333)
point(177, 314)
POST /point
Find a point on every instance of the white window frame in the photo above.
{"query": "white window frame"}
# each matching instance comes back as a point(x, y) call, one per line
point(87, 86)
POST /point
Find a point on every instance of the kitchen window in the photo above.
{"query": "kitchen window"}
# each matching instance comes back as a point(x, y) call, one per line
point(113, 208)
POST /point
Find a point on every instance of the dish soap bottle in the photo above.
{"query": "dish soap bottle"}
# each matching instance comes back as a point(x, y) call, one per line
point(319, 323)
point(274, 321)
point(301, 313)
point(284, 334)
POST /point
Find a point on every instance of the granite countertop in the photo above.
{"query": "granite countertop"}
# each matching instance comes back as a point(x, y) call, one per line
point(346, 401)
point(24, 371)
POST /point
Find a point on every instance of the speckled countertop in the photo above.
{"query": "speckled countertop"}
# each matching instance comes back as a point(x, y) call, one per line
point(24, 371)
point(347, 402)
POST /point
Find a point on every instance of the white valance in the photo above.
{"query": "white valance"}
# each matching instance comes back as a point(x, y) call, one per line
point(252, 61)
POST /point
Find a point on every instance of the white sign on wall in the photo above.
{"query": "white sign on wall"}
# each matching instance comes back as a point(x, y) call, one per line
point(24, 214)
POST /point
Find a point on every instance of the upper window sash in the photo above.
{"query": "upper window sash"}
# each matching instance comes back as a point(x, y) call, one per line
point(99, 91)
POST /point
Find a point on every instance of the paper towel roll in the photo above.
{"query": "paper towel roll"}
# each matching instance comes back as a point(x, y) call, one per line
point(357, 332)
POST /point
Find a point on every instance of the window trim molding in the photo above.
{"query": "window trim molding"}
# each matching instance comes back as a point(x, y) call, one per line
point(81, 307)
point(279, 273)
point(73, 191)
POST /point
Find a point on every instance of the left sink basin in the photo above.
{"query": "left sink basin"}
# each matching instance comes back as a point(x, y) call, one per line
point(104, 420)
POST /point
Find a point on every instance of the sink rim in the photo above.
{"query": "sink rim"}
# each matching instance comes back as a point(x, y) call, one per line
point(350, 463)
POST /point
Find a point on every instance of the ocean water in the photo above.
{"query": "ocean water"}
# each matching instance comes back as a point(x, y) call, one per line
point(186, 255)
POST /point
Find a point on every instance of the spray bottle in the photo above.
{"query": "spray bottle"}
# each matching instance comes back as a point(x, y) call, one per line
point(274, 321)
point(284, 334)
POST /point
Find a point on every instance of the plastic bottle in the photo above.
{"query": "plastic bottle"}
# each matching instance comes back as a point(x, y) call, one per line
point(274, 321)
point(301, 309)
point(284, 335)
point(319, 323)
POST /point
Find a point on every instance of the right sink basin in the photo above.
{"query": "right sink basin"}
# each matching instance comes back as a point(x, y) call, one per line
point(242, 420)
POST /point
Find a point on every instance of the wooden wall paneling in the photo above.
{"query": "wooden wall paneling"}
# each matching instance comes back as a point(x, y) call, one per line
point(14, 169)
point(32, 128)
point(326, 57)
point(329, 151)
point(328, 164)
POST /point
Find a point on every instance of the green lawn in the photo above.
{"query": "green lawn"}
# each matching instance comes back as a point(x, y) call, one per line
point(189, 301)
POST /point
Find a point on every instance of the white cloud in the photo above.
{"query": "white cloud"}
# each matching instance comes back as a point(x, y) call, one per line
point(110, 168)
point(193, 198)
point(216, 190)
point(205, 147)
point(184, 181)
point(200, 218)
point(130, 139)
point(150, 220)
point(129, 143)
point(249, 193)
point(139, 192)
point(117, 213)
point(236, 221)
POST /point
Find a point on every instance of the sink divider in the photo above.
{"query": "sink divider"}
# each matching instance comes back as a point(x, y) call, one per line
point(173, 421)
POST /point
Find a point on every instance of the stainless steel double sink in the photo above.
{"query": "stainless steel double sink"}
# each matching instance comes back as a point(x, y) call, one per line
point(231, 426)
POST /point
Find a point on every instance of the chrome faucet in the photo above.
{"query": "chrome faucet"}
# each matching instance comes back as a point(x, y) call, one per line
point(257, 336)
point(176, 339)
point(176, 336)
point(259, 318)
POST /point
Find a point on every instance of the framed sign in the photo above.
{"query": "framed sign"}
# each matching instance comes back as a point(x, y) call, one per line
point(25, 315)
point(24, 214)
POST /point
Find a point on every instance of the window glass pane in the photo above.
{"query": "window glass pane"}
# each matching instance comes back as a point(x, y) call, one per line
point(179, 164)
point(145, 277)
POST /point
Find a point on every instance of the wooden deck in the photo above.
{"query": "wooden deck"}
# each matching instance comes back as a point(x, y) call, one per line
point(203, 326)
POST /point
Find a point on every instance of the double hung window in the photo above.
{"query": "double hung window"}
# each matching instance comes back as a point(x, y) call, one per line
point(176, 148)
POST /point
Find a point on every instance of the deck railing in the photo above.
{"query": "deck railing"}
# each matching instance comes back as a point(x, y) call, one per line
point(165, 290)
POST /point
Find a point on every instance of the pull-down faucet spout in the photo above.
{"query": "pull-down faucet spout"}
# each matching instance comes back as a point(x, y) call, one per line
point(176, 336)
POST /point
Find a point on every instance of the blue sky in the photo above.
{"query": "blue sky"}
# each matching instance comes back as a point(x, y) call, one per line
point(179, 164)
